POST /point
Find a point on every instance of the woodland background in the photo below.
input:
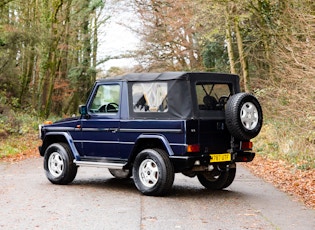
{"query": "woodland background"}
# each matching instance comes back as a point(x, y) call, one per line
point(49, 59)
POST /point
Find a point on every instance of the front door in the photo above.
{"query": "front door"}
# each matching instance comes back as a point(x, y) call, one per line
point(100, 136)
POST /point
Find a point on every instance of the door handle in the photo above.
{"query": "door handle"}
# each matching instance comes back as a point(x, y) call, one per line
point(112, 130)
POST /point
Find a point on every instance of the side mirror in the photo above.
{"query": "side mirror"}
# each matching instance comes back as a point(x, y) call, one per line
point(83, 110)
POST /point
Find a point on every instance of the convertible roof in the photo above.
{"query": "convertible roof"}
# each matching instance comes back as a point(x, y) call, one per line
point(165, 76)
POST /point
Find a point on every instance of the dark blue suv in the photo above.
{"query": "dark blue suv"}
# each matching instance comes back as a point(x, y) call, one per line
point(150, 126)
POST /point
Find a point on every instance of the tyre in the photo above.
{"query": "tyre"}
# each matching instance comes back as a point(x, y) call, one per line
point(58, 164)
point(243, 116)
point(120, 173)
point(216, 179)
point(230, 178)
point(153, 173)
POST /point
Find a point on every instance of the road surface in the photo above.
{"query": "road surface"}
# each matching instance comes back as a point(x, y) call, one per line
point(96, 200)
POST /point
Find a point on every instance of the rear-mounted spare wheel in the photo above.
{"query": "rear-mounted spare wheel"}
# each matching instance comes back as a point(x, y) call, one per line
point(243, 116)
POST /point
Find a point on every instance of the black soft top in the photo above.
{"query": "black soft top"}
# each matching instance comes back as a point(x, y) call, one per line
point(169, 76)
point(181, 94)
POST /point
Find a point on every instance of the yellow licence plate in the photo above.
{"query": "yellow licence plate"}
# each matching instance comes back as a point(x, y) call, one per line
point(220, 157)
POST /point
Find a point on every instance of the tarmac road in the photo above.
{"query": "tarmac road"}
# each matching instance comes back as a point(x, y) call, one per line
point(96, 200)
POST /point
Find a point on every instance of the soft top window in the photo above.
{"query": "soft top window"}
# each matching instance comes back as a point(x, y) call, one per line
point(150, 97)
point(212, 96)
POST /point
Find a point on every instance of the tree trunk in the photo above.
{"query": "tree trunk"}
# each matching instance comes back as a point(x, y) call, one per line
point(94, 54)
point(242, 56)
point(229, 42)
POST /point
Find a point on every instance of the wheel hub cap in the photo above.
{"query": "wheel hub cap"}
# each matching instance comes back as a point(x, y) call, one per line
point(55, 164)
point(148, 173)
point(249, 116)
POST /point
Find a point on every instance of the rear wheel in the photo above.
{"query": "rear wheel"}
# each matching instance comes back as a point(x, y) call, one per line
point(217, 179)
point(58, 164)
point(153, 173)
point(231, 177)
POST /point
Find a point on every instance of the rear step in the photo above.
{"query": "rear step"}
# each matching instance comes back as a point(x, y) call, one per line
point(99, 164)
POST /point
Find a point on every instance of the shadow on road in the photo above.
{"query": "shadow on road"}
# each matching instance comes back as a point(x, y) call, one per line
point(106, 183)
point(126, 186)
point(187, 191)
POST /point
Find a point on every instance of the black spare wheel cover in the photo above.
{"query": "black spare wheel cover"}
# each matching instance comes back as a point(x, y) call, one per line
point(243, 116)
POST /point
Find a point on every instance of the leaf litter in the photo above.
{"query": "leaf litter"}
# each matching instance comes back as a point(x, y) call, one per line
point(296, 182)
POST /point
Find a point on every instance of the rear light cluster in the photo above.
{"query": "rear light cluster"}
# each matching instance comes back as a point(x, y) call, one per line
point(247, 145)
point(193, 148)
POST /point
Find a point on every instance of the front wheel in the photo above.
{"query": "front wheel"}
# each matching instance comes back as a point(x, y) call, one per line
point(58, 164)
point(217, 179)
point(153, 173)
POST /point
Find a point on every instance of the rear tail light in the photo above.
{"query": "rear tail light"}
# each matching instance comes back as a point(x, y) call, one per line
point(193, 148)
point(247, 145)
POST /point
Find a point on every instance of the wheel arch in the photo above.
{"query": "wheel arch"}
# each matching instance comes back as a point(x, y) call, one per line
point(150, 141)
point(57, 137)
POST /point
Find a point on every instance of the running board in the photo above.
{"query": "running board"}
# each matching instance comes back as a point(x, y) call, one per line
point(99, 164)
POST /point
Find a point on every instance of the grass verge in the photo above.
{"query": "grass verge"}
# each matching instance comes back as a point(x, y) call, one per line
point(19, 147)
point(281, 141)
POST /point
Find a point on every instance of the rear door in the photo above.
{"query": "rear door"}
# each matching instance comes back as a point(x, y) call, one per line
point(211, 100)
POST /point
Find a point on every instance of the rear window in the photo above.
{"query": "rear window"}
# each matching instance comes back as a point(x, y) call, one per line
point(150, 97)
point(211, 96)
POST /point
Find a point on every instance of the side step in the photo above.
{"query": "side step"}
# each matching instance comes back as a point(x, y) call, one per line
point(99, 164)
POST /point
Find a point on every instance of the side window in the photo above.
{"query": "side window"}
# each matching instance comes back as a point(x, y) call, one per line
point(149, 97)
point(212, 96)
point(106, 99)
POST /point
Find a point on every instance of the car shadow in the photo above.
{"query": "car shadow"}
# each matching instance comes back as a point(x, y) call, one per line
point(106, 183)
point(126, 186)
point(194, 192)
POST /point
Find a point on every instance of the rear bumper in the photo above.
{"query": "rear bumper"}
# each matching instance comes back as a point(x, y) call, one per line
point(182, 163)
point(244, 156)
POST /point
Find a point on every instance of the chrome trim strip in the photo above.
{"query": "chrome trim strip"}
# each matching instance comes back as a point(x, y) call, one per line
point(132, 130)
point(118, 142)
point(59, 128)
point(97, 142)
point(151, 130)
point(178, 144)
point(99, 164)
point(127, 143)
point(95, 129)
